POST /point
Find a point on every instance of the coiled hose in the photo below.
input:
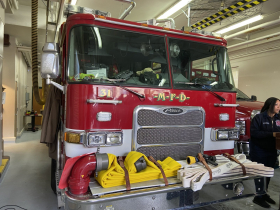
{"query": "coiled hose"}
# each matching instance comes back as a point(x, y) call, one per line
point(34, 34)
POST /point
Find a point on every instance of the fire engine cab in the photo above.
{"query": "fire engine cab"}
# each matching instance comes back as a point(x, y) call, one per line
point(137, 87)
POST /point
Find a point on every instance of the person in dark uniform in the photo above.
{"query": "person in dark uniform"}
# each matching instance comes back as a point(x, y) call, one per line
point(264, 127)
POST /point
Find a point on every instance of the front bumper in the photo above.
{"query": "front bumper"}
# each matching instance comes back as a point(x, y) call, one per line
point(167, 197)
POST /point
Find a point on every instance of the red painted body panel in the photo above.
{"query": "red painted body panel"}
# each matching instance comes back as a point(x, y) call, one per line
point(82, 115)
point(248, 106)
point(218, 152)
point(244, 116)
point(244, 111)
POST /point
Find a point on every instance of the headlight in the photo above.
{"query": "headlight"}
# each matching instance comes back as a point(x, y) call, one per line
point(254, 113)
point(233, 135)
point(224, 134)
point(96, 139)
point(103, 138)
point(114, 139)
point(241, 125)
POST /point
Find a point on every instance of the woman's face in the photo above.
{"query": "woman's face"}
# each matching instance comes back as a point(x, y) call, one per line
point(277, 107)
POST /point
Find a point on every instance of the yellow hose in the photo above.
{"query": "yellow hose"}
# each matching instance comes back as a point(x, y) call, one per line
point(34, 33)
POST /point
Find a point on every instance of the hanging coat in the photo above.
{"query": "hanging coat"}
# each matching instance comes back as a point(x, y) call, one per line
point(51, 117)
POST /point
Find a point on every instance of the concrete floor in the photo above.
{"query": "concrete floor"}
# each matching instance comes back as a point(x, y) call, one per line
point(26, 185)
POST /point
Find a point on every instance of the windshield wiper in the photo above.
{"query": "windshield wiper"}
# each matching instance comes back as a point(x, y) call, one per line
point(204, 87)
point(107, 79)
point(243, 98)
point(114, 81)
point(240, 98)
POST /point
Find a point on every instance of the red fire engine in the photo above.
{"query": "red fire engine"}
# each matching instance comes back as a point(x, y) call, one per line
point(247, 109)
point(131, 86)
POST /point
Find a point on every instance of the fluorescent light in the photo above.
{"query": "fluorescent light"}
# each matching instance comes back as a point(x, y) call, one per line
point(174, 9)
point(238, 25)
point(73, 2)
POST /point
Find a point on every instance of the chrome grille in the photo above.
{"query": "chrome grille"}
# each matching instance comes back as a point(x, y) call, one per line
point(162, 134)
point(150, 118)
point(169, 135)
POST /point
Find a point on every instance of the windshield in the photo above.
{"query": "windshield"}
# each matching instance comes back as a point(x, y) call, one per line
point(98, 54)
point(201, 63)
point(241, 95)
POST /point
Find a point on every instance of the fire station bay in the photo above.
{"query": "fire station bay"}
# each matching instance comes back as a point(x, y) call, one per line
point(140, 104)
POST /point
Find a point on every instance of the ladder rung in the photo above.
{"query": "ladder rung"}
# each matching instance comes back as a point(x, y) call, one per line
point(51, 23)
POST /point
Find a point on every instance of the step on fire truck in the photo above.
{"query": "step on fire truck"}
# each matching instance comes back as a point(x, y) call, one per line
point(129, 86)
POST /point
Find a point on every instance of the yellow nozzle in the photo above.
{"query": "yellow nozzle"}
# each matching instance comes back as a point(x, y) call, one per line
point(191, 160)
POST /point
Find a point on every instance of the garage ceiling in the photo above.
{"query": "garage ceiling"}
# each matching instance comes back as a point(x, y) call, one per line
point(19, 27)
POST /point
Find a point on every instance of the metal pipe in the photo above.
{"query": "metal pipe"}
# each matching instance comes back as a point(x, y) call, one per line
point(80, 174)
point(142, 21)
point(60, 12)
point(254, 53)
point(127, 11)
point(47, 20)
point(15, 3)
point(254, 40)
point(23, 48)
point(189, 15)
point(171, 20)
point(274, 22)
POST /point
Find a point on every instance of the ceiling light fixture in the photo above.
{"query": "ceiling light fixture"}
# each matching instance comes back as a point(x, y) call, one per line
point(174, 9)
point(238, 25)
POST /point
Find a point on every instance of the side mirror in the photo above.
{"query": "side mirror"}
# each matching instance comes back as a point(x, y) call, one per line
point(253, 98)
point(50, 61)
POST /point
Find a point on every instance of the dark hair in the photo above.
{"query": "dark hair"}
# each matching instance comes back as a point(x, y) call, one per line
point(269, 104)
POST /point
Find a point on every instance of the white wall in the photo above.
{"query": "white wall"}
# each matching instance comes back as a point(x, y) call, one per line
point(2, 17)
point(22, 17)
point(21, 78)
point(259, 74)
point(14, 70)
point(8, 79)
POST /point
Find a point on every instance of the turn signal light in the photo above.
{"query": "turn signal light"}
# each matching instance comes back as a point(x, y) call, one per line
point(101, 16)
point(73, 137)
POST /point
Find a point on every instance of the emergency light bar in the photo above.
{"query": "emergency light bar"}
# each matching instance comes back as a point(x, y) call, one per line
point(74, 9)
point(210, 33)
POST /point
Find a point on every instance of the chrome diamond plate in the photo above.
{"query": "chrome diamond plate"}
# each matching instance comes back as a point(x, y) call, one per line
point(169, 135)
point(154, 118)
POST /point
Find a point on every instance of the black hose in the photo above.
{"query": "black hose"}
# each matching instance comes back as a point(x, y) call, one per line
point(34, 34)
